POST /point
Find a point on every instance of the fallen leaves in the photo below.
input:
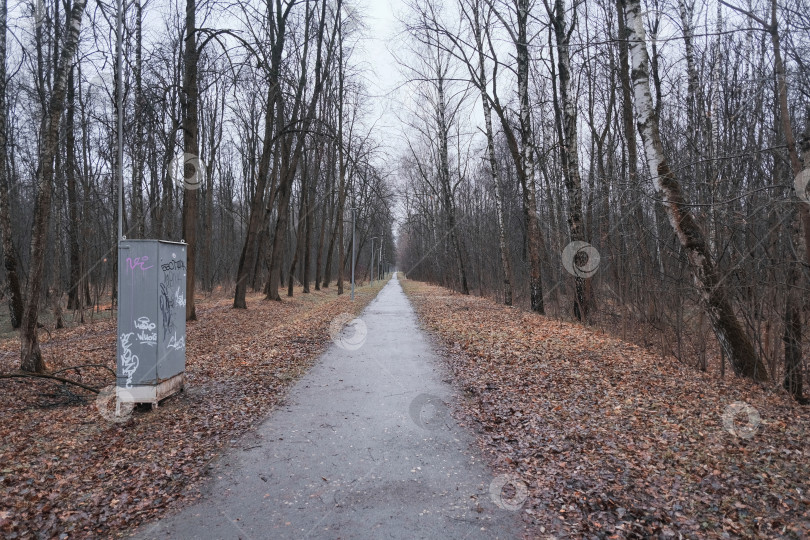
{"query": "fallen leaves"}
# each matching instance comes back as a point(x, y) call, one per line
point(612, 441)
point(64, 470)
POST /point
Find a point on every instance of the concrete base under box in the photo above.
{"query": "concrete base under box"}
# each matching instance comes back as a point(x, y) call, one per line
point(149, 394)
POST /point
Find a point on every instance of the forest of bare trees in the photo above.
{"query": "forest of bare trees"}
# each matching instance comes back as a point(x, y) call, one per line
point(639, 166)
point(245, 133)
point(518, 268)
point(635, 165)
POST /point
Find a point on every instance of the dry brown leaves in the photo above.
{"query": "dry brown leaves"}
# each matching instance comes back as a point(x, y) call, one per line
point(65, 471)
point(612, 441)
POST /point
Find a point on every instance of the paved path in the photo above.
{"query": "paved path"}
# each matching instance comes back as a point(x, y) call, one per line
point(364, 448)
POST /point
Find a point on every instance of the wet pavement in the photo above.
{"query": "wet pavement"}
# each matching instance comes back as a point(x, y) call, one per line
point(364, 447)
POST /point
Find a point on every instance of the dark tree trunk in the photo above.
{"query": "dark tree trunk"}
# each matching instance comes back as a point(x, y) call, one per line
point(190, 98)
point(299, 234)
point(338, 222)
point(9, 254)
point(30, 354)
point(293, 147)
point(319, 278)
point(74, 284)
point(249, 257)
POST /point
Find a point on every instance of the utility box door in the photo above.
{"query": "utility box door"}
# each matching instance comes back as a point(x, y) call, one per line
point(172, 307)
point(151, 341)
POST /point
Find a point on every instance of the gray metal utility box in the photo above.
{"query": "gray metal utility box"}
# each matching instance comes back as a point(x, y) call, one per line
point(151, 356)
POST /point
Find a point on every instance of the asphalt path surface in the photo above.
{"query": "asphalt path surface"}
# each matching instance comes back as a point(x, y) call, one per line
point(364, 447)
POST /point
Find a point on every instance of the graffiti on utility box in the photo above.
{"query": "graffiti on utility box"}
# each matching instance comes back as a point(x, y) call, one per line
point(151, 312)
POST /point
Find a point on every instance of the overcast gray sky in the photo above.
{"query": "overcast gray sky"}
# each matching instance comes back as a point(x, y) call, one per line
point(381, 72)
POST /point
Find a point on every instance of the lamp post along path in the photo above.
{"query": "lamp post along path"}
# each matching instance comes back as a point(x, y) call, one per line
point(371, 264)
point(354, 257)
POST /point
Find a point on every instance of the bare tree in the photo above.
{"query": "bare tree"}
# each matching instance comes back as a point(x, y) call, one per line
point(191, 148)
point(566, 120)
point(472, 12)
point(708, 278)
point(523, 152)
point(9, 253)
point(278, 31)
point(31, 356)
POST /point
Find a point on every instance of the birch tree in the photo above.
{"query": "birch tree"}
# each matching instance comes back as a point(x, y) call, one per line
point(523, 152)
point(566, 120)
point(709, 280)
point(472, 11)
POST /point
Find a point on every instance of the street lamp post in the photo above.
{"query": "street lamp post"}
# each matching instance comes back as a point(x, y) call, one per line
point(119, 104)
point(371, 265)
point(353, 249)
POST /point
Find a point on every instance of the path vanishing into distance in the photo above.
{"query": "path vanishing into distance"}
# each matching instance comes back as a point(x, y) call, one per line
point(364, 447)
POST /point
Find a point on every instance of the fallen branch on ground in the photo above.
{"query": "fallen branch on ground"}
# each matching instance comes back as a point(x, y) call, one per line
point(26, 375)
point(69, 368)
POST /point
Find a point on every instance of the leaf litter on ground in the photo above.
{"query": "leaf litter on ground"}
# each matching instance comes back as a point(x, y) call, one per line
point(66, 471)
point(611, 440)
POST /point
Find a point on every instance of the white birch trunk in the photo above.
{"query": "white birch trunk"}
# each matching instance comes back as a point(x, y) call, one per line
point(493, 162)
point(708, 281)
